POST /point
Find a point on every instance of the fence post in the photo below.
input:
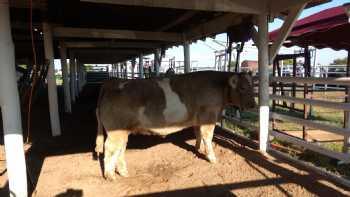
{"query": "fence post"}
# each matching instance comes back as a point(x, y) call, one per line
point(346, 145)
point(307, 73)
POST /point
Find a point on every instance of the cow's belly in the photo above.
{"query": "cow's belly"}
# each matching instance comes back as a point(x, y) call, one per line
point(161, 131)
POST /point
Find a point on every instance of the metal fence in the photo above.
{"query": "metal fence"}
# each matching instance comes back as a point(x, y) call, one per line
point(345, 132)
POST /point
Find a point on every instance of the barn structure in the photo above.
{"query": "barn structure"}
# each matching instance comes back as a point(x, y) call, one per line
point(112, 31)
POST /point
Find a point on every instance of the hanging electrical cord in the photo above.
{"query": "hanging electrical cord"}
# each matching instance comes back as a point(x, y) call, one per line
point(34, 79)
point(207, 45)
point(34, 70)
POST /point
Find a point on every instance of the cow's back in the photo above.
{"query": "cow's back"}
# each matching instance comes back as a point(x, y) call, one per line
point(179, 100)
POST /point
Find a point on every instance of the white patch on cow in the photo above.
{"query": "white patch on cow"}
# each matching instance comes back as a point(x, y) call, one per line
point(143, 119)
point(175, 110)
point(166, 130)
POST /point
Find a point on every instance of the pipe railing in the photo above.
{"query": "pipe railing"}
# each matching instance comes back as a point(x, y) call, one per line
point(344, 81)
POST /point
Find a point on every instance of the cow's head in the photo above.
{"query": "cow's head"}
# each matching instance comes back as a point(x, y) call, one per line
point(241, 91)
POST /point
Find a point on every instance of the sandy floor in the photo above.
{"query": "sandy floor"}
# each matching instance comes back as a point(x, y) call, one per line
point(171, 167)
point(317, 135)
point(64, 166)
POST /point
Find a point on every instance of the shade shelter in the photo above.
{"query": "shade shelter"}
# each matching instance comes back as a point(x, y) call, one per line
point(113, 31)
point(329, 28)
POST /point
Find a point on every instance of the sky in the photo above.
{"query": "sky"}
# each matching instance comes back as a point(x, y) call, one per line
point(203, 52)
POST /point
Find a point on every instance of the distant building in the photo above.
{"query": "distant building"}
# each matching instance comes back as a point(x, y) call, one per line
point(249, 65)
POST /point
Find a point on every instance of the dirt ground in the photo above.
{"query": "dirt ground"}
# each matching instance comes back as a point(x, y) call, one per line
point(317, 135)
point(64, 166)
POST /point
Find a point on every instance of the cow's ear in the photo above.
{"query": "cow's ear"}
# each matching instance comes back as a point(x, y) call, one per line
point(233, 81)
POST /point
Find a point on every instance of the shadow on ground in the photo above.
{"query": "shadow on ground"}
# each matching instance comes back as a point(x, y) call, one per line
point(79, 131)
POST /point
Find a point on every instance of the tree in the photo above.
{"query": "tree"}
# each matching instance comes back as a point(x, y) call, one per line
point(339, 61)
point(288, 62)
point(88, 67)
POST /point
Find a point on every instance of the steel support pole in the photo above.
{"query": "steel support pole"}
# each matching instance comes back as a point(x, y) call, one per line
point(72, 76)
point(141, 72)
point(263, 82)
point(187, 60)
point(157, 61)
point(51, 81)
point(10, 109)
point(64, 67)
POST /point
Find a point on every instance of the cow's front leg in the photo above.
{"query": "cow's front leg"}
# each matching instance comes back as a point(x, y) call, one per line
point(114, 152)
point(207, 132)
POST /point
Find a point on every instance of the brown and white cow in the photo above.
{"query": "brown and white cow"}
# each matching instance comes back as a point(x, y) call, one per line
point(163, 106)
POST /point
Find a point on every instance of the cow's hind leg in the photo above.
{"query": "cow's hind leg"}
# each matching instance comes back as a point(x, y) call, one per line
point(121, 163)
point(199, 138)
point(207, 132)
point(114, 148)
point(99, 135)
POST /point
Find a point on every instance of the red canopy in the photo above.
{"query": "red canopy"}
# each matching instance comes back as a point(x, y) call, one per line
point(328, 28)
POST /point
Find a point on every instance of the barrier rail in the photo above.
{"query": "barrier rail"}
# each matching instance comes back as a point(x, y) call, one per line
point(344, 81)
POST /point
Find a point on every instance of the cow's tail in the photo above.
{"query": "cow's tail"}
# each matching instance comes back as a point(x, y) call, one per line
point(99, 135)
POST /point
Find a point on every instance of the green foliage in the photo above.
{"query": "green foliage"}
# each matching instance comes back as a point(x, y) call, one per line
point(288, 62)
point(339, 61)
point(88, 67)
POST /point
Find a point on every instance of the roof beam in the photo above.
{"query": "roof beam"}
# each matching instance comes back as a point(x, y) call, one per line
point(237, 6)
point(36, 4)
point(215, 26)
point(284, 5)
point(285, 30)
point(112, 44)
point(107, 52)
point(182, 18)
point(69, 32)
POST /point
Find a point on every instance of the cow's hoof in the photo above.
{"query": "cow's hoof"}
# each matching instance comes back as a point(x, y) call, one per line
point(99, 150)
point(123, 173)
point(110, 176)
point(212, 159)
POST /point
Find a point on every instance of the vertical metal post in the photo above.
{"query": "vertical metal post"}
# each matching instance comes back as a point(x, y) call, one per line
point(125, 70)
point(346, 144)
point(72, 76)
point(76, 90)
point(307, 65)
point(66, 91)
point(133, 63)
point(263, 82)
point(157, 61)
point(117, 70)
point(114, 75)
point(141, 73)
point(294, 88)
point(51, 81)
point(81, 77)
point(10, 109)
point(187, 60)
